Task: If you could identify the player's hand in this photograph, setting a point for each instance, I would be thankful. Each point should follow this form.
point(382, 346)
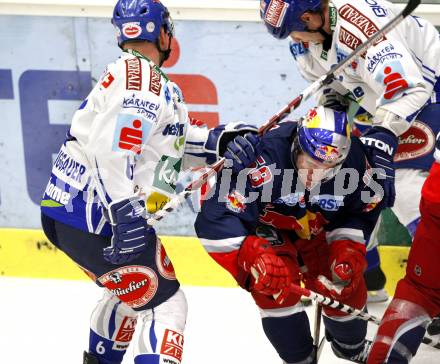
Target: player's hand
point(130, 230)
point(381, 145)
point(224, 138)
point(333, 100)
point(242, 151)
point(270, 273)
point(347, 265)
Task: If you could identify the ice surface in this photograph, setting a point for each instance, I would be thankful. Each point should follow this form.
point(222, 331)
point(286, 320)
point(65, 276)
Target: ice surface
point(46, 322)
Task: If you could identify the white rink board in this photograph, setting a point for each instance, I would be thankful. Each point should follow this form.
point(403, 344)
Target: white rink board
point(46, 321)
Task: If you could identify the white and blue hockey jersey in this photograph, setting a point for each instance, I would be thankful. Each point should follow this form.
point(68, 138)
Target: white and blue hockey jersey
point(398, 74)
point(128, 137)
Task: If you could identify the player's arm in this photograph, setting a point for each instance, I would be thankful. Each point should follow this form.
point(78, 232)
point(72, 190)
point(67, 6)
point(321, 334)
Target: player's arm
point(347, 236)
point(399, 81)
point(237, 142)
point(118, 137)
point(225, 227)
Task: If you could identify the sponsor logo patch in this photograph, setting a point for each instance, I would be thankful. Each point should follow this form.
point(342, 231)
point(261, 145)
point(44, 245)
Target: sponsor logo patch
point(56, 194)
point(143, 107)
point(276, 10)
point(349, 39)
point(360, 21)
point(236, 202)
point(327, 153)
point(385, 54)
point(176, 129)
point(379, 11)
point(416, 142)
point(131, 30)
point(167, 173)
point(172, 344)
point(68, 166)
point(107, 80)
point(126, 331)
point(136, 285)
point(163, 262)
point(292, 199)
point(155, 77)
point(133, 70)
point(131, 133)
point(328, 202)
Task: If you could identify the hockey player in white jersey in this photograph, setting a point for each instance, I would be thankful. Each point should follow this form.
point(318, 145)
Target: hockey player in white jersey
point(126, 146)
point(395, 82)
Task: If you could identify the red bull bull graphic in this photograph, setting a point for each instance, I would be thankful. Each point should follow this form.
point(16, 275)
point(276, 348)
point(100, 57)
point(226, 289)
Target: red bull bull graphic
point(307, 226)
point(327, 153)
point(236, 202)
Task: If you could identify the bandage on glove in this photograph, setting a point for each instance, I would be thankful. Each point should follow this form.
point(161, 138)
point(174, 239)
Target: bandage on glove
point(130, 230)
point(347, 265)
point(270, 273)
point(380, 147)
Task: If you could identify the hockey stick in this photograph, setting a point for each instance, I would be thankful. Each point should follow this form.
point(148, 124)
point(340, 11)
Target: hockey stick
point(286, 110)
point(317, 332)
point(330, 302)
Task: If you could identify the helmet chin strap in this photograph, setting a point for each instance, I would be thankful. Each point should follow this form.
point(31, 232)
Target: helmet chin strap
point(164, 54)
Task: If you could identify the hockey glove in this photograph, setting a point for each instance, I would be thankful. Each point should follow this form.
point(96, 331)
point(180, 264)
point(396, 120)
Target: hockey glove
point(242, 151)
point(333, 100)
point(271, 275)
point(380, 146)
point(237, 142)
point(130, 230)
point(347, 265)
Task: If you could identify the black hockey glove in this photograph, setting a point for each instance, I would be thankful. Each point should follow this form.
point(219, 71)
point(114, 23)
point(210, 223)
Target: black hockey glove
point(130, 230)
point(333, 100)
point(237, 142)
point(380, 146)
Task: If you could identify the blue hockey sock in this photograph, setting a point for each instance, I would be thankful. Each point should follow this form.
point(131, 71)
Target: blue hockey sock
point(105, 350)
point(347, 337)
point(290, 336)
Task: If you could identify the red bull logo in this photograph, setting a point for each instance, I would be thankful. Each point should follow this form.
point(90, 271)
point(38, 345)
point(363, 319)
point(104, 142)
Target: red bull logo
point(236, 202)
point(327, 153)
point(280, 221)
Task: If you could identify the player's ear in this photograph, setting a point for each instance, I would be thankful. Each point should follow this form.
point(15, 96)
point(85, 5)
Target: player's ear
point(306, 17)
point(163, 38)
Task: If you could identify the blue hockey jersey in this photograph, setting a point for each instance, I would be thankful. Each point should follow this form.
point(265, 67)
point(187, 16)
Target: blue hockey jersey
point(271, 194)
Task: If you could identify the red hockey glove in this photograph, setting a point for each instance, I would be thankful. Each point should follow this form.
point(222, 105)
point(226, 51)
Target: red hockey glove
point(347, 265)
point(271, 274)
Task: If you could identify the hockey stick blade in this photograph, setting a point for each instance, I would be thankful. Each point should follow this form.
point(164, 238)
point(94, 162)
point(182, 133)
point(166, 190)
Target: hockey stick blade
point(291, 106)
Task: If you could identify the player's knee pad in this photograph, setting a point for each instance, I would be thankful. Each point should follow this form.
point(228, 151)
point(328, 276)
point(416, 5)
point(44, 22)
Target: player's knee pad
point(346, 334)
point(111, 329)
point(400, 333)
point(162, 332)
point(289, 335)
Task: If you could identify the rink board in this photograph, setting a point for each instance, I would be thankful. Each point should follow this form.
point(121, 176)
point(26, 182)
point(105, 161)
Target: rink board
point(27, 253)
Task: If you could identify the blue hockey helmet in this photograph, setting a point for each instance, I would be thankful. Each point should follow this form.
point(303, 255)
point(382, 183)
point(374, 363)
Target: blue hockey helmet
point(321, 145)
point(324, 134)
point(141, 20)
point(282, 17)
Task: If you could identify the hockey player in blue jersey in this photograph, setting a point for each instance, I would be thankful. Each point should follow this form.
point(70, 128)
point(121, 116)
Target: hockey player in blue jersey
point(396, 82)
point(121, 160)
point(302, 213)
